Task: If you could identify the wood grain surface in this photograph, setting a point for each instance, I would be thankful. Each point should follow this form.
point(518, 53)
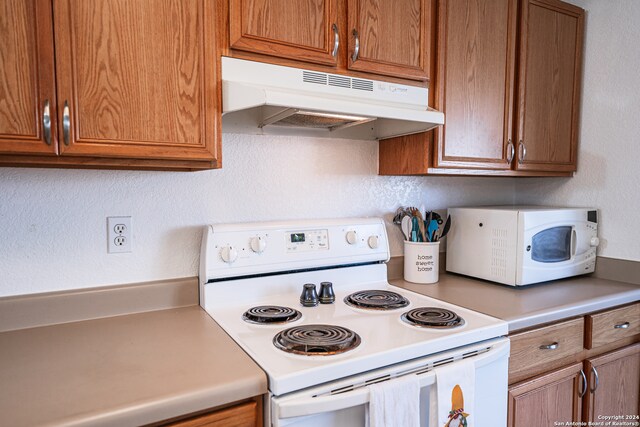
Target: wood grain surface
point(242, 415)
point(549, 84)
point(544, 400)
point(291, 29)
point(405, 155)
point(26, 76)
point(600, 327)
point(475, 83)
point(528, 359)
point(140, 77)
point(618, 389)
point(394, 37)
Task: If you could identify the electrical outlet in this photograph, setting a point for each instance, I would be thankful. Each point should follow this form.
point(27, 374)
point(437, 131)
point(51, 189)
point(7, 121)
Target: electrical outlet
point(119, 237)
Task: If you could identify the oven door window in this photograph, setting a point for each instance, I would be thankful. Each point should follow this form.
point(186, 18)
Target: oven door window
point(552, 245)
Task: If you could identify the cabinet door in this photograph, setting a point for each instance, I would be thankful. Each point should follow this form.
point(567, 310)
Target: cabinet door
point(475, 83)
point(544, 400)
point(137, 79)
point(551, 34)
point(614, 384)
point(27, 81)
point(305, 30)
point(392, 37)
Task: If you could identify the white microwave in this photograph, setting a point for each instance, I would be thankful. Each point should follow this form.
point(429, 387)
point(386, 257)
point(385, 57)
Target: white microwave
point(522, 245)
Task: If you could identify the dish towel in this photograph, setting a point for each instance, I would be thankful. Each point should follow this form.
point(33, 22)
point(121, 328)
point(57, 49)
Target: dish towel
point(395, 403)
point(452, 400)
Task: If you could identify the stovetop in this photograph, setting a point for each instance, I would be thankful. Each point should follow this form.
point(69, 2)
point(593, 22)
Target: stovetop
point(384, 338)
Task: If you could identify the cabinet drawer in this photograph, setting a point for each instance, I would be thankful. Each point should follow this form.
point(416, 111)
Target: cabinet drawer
point(533, 352)
point(612, 325)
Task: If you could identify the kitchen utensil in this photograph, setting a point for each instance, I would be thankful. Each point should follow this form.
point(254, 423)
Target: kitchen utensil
point(400, 212)
point(447, 226)
point(406, 227)
point(421, 227)
point(415, 229)
point(426, 224)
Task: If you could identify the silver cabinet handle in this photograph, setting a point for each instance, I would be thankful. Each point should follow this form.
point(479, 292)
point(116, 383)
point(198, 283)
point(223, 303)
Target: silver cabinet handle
point(595, 374)
point(584, 384)
point(356, 50)
point(46, 122)
point(336, 40)
point(66, 123)
point(522, 152)
point(624, 325)
point(551, 346)
point(511, 151)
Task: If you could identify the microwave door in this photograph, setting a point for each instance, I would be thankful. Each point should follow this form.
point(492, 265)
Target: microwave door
point(555, 250)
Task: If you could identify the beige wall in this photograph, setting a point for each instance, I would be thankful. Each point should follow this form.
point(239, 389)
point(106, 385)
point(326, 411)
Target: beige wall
point(54, 221)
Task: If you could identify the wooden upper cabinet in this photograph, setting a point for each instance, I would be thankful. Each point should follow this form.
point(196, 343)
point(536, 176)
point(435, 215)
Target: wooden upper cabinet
point(137, 79)
point(549, 85)
point(475, 83)
point(27, 79)
point(614, 384)
point(391, 37)
point(304, 30)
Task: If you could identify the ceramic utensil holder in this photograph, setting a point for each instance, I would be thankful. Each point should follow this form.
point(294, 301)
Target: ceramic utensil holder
point(421, 261)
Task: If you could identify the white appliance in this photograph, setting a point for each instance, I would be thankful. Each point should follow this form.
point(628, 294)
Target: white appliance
point(272, 99)
point(261, 268)
point(522, 245)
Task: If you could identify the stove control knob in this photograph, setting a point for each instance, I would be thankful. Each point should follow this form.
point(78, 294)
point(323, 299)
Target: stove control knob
point(594, 241)
point(258, 244)
point(229, 254)
point(373, 242)
point(352, 237)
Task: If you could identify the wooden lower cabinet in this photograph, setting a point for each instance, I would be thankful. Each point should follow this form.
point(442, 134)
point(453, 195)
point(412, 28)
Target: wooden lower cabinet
point(248, 414)
point(556, 374)
point(546, 399)
point(614, 384)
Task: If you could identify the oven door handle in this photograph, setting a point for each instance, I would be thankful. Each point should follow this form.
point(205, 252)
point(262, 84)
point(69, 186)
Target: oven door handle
point(336, 402)
point(303, 406)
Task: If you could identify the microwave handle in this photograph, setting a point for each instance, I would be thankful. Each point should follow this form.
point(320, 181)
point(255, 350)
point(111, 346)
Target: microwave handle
point(574, 242)
point(334, 402)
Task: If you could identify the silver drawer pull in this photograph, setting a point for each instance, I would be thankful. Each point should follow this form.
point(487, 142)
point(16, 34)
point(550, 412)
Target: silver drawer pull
point(624, 325)
point(66, 123)
point(356, 49)
point(551, 346)
point(584, 384)
point(46, 122)
point(597, 382)
point(336, 40)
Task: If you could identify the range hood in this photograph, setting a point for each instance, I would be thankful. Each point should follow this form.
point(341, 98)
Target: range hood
point(260, 98)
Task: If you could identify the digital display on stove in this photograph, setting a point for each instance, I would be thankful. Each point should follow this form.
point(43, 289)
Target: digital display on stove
point(297, 237)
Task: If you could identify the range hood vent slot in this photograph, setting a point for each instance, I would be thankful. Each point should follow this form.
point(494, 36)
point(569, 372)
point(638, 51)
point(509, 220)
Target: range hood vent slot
point(339, 81)
point(311, 77)
point(362, 84)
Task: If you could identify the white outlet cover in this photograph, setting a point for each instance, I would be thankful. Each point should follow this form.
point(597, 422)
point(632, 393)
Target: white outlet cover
point(119, 234)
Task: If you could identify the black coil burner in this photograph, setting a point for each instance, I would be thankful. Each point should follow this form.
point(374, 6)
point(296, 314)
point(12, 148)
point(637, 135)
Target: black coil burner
point(316, 340)
point(271, 314)
point(376, 300)
point(432, 317)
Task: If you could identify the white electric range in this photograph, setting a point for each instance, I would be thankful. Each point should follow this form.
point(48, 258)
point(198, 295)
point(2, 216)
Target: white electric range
point(319, 357)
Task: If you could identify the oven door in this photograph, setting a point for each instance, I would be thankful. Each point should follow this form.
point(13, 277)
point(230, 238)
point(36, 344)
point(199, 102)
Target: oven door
point(343, 402)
